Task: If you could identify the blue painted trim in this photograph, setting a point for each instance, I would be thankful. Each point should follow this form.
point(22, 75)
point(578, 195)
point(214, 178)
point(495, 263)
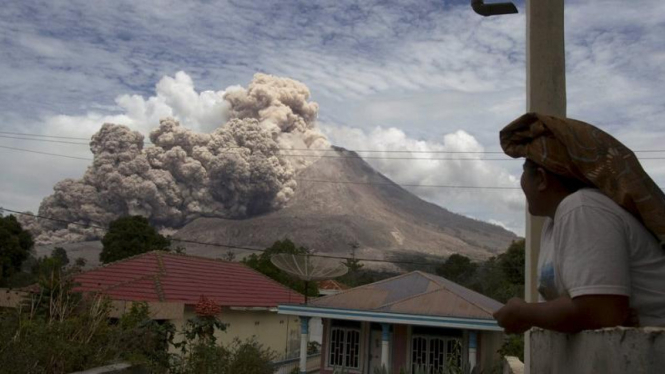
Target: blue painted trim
point(304, 325)
point(359, 315)
point(473, 340)
point(385, 333)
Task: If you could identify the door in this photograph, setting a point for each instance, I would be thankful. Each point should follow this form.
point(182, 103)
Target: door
point(375, 339)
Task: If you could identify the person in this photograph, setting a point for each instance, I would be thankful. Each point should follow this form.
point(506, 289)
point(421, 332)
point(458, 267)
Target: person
point(601, 260)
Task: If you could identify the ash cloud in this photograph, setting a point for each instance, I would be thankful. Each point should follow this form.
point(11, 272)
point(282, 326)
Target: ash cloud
point(236, 171)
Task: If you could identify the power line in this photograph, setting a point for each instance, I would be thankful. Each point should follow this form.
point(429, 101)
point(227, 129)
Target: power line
point(45, 153)
point(226, 245)
point(43, 136)
point(409, 185)
point(306, 180)
point(305, 156)
point(310, 180)
point(309, 155)
point(305, 149)
point(42, 140)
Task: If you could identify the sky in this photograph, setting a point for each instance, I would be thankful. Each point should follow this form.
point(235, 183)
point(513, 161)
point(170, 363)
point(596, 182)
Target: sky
point(409, 75)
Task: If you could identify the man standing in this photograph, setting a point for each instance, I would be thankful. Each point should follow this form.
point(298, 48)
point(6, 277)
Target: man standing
point(602, 261)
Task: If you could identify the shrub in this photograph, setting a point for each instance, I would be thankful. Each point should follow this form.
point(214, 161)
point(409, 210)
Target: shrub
point(59, 331)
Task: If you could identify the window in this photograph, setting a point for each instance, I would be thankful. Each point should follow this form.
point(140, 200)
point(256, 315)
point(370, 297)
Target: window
point(434, 353)
point(344, 347)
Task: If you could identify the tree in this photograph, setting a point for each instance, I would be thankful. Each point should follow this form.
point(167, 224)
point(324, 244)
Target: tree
point(80, 262)
point(15, 247)
point(131, 236)
point(262, 264)
point(229, 256)
point(60, 255)
point(512, 262)
point(353, 277)
point(457, 268)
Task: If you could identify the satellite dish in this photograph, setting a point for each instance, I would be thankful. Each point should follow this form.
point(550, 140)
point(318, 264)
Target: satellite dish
point(309, 268)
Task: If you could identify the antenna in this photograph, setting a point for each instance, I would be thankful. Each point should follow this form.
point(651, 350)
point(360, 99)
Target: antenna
point(308, 268)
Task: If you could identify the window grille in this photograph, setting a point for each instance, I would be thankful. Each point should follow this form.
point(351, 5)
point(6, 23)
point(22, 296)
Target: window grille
point(344, 348)
point(433, 354)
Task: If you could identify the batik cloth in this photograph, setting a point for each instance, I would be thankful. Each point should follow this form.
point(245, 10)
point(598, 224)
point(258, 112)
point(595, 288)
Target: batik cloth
point(576, 149)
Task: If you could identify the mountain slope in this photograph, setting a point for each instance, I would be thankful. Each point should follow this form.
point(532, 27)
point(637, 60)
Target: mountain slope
point(372, 213)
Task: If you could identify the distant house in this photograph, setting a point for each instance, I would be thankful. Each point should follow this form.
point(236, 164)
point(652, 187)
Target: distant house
point(330, 287)
point(416, 320)
point(173, 283)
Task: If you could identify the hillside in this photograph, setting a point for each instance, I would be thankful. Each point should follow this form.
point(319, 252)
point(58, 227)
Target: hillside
point(373, 212)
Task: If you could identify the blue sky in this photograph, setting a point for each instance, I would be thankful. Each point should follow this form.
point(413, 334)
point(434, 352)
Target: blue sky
point(398, 75)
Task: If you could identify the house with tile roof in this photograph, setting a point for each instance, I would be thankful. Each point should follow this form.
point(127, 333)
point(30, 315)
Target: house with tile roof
point(172, 284)
point(330, 287)
point(412, 321)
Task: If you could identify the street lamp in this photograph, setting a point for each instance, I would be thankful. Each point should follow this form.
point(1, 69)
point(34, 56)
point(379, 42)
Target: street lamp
point(495, 9)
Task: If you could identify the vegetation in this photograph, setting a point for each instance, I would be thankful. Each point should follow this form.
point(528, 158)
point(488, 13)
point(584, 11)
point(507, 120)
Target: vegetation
point(201, 354)
point(60, 254)
point(131, 236)
point(501, 277)
point(15, 247)
point(59, 331)
point(356, 275)
point(457, 268)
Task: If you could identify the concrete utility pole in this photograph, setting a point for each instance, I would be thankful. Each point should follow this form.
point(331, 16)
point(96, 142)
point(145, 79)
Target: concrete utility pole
point(545, 93)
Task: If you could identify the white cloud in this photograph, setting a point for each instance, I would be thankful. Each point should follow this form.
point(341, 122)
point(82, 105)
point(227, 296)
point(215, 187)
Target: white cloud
point(174, 97)
point(505, 206)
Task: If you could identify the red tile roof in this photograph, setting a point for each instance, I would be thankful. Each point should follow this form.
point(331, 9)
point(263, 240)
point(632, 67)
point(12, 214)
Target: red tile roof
point(169, 277)
point(332, 285)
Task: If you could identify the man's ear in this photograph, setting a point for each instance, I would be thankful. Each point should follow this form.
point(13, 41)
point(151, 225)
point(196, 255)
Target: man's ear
point(542, 179)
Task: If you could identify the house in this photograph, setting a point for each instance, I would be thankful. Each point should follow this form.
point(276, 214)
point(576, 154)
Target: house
point(172, 284)
point(415, 320)
point(330, 287)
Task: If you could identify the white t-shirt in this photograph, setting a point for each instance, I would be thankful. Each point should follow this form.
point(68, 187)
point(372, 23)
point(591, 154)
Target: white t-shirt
point(595, 247)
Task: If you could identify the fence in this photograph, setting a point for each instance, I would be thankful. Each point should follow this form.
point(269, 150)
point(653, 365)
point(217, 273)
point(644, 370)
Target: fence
point(609, 351)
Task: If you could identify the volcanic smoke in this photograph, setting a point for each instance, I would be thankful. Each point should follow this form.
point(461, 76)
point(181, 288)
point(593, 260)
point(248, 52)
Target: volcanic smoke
point(236, 171)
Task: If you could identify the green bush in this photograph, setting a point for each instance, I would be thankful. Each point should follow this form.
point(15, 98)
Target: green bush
point(60, 331)
point(201, 354)
point(73, 338)
point(15, 247)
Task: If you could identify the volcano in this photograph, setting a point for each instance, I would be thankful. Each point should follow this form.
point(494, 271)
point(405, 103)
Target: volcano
point(342, 204)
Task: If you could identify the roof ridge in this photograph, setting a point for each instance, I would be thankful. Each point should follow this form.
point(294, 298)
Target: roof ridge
point(126, 259)
point(160, 264)
point(158, 288)
point(431, 292)
point(410, 297)
point(364, 286)
point(429, 276)
point(158, 253)
point(184, 254)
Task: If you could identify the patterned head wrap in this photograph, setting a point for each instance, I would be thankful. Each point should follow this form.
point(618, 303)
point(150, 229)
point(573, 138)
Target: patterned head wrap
point(575, 149)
